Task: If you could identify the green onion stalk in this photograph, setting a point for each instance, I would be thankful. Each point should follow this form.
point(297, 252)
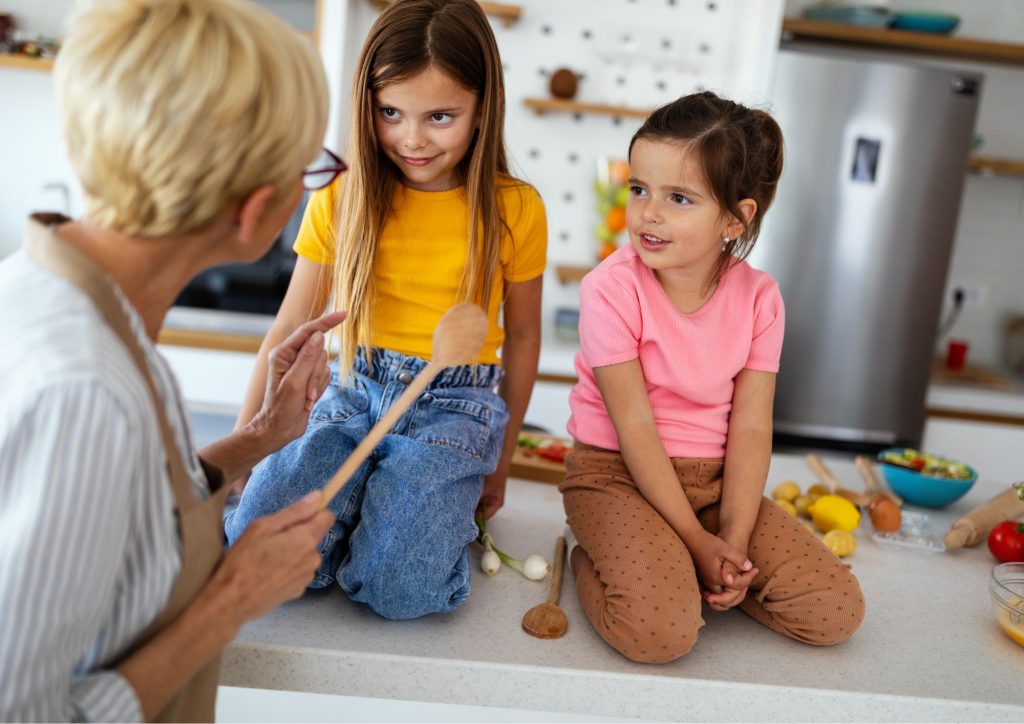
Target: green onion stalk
point(534, 567)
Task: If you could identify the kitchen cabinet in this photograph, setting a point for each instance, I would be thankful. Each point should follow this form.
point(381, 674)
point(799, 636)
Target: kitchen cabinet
point(992, 448)
point(982, 426)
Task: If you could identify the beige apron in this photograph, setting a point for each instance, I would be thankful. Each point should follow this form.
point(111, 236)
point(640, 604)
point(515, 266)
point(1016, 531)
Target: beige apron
point(199, 521)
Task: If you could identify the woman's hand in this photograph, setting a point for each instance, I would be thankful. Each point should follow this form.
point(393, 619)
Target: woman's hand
point(297, 374)
point(272, 562)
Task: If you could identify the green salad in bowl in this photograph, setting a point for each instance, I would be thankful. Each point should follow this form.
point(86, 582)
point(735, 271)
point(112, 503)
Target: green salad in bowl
point(923, 479)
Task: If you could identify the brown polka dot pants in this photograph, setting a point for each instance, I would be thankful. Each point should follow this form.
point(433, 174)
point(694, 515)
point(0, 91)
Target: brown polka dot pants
point(637, 582)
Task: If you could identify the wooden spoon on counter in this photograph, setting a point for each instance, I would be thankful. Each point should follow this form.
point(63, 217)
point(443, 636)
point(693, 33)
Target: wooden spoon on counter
point(547, 620)
point(458, 337)
point(872, 484)
point(817, 466)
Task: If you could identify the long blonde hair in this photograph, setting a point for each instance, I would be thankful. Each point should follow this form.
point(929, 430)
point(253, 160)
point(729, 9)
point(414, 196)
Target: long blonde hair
point(455, 36)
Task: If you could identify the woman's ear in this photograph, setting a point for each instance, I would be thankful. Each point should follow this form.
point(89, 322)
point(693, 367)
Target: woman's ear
point(252, 211)
point(748, 207)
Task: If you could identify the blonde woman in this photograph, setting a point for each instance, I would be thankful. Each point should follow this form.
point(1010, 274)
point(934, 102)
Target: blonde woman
point(180, 120)
point(428, 217)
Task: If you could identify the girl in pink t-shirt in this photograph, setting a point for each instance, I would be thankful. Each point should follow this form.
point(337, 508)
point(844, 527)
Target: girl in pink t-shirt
point(672, 415)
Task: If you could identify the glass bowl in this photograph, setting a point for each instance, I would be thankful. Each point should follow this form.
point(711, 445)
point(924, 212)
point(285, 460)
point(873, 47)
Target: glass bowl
point(1006, 588)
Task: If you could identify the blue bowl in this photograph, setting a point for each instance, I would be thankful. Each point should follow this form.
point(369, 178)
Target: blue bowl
point(926, 490)
point(925, 22)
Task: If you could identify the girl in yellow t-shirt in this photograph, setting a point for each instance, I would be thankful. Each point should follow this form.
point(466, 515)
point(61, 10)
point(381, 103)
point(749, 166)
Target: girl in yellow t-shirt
point(428, 216)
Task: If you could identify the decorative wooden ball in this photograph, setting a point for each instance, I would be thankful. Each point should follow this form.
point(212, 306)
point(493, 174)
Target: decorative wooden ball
point(563, 83)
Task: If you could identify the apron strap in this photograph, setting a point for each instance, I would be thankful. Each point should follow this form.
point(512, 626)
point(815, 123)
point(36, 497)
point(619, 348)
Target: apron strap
point(68, 262)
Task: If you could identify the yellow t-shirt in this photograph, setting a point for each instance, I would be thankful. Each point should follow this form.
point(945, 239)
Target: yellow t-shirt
point(422, 255)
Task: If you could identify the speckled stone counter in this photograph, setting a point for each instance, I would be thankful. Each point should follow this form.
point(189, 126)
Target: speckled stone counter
point(929, 648)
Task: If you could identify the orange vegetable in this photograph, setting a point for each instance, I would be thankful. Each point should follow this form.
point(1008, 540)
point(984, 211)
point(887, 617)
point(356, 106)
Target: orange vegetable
point(618, 173)
point(616, 219)
point(607, 249)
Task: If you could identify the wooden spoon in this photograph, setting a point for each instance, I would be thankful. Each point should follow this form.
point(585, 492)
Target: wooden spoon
point(458, 337)
point(872, 484)
point(817, 465)
point(546, 620)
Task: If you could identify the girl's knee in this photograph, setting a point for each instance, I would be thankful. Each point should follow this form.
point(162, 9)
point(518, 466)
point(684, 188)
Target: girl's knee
point(402, 590)
point(844, 613)
point(650, 639)
point(827, 617)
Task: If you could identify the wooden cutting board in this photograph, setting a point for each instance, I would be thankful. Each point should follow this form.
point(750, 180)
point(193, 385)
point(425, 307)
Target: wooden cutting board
point(970, 374)
point(531, 467)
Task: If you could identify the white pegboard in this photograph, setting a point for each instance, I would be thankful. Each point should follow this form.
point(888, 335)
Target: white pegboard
point(636, 53)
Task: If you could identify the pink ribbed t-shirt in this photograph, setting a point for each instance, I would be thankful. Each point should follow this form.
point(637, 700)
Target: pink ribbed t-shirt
point(689, 361)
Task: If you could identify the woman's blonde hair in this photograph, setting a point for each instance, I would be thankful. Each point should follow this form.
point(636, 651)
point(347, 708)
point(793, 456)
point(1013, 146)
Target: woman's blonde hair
point(175, 109)
point(408, 37)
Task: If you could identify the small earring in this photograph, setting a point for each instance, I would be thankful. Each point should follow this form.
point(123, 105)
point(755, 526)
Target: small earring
point(725, 242)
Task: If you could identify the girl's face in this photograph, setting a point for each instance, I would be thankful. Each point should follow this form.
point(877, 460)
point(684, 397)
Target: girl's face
point(674, 222)
point(425, 125)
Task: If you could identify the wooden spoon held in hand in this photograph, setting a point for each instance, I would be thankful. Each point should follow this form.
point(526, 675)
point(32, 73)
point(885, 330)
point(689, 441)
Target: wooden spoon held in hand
point(547, 620)
point(458, 337)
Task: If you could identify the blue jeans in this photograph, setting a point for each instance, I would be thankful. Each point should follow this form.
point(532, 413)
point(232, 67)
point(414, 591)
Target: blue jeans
point(405, 518)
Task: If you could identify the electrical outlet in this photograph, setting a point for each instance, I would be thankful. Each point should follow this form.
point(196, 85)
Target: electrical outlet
point(973, 295)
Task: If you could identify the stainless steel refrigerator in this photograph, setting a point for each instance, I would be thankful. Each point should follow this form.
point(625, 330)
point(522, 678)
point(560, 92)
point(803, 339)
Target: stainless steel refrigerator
point(859, 237)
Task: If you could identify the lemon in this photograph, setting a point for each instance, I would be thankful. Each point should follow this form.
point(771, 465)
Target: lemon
point(840, 542)
point(786, 506)
point(786, 490)
point(830, 512)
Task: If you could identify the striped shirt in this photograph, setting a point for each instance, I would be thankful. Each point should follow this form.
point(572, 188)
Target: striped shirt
point(89, 546)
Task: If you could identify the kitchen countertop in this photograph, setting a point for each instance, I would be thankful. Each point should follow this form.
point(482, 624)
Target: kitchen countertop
point(929, 648)
point(1007, 402)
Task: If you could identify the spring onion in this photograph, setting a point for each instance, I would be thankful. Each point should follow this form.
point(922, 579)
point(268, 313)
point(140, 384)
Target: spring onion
point(534, 567)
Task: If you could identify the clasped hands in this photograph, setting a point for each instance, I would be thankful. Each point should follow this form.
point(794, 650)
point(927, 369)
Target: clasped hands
point(723, 569)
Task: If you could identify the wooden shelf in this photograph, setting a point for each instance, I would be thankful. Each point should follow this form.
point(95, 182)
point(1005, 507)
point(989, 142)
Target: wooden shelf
point(998, 166)
point(203, 339)
point(928, 43)
point(540, 106)
point(506, 13)
point(571, 273)
point(25, 62)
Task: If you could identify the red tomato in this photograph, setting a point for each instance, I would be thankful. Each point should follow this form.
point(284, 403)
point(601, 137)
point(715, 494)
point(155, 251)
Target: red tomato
point(1006, 541)
point(554, 452)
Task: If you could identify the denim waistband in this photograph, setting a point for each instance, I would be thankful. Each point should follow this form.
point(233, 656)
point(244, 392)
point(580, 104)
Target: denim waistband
point(389, 365)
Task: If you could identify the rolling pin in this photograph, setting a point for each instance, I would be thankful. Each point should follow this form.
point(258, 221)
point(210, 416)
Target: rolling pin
point(972, 528)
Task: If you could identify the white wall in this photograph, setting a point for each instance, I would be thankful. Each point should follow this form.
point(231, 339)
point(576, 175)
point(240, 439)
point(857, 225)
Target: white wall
point(36, 171)
point(988, 251)
point(30, 139)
